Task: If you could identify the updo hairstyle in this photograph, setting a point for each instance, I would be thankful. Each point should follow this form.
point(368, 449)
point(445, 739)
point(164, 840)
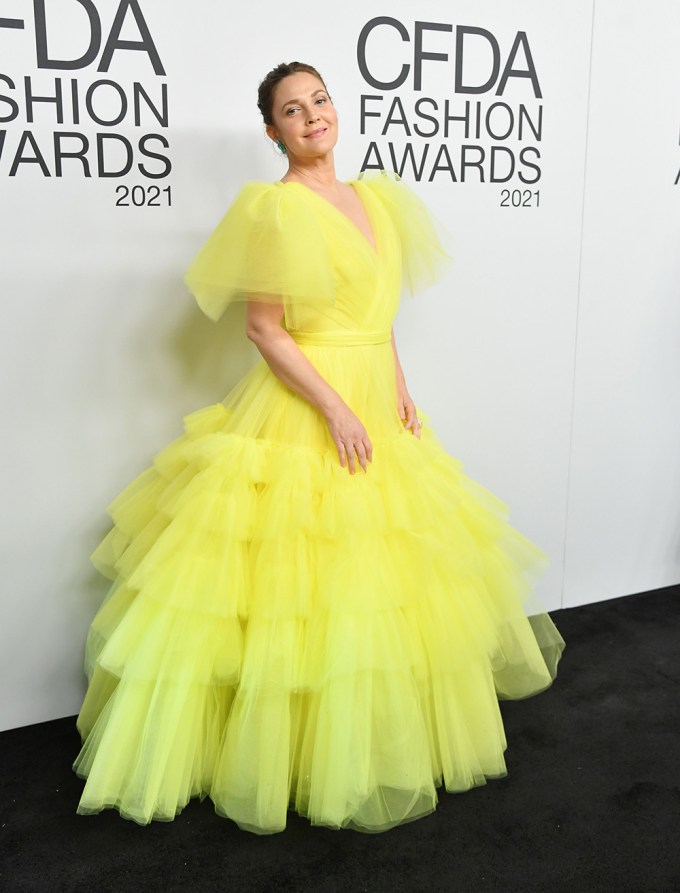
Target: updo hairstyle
point(265, 92)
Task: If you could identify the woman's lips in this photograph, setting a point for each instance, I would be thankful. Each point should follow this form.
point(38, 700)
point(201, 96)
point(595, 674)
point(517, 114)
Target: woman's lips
point(316, 133)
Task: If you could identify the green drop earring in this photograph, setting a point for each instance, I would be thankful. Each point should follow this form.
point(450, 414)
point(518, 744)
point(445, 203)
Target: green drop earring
point(282, 148)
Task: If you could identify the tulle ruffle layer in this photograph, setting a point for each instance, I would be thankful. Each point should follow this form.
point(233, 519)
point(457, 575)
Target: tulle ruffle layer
point(280, 633)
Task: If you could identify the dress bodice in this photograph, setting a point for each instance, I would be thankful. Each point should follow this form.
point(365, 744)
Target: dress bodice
point(367, 279)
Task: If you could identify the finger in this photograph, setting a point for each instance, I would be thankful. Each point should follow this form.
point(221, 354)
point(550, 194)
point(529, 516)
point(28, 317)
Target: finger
point(368, 446)
point(341, 453)
point(350, 459)
point(361, 453)
point(402, 411)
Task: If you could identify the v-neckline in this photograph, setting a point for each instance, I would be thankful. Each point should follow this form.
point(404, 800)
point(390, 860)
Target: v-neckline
point(372, 247)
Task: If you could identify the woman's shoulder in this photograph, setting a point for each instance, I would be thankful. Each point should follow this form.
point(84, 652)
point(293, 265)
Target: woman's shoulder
point(380, 180)
point(272, 204)
point(377, 177)
point(389, 187)
point(257, 194)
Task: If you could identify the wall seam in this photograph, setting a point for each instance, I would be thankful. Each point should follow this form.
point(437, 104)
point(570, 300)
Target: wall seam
point(578, 309)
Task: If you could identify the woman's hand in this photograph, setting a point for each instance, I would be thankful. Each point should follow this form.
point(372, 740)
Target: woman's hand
point(405, 406)
point(407, 410)
point(350, 437)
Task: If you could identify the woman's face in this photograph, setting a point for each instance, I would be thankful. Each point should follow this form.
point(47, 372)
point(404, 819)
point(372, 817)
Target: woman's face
point(304, 117)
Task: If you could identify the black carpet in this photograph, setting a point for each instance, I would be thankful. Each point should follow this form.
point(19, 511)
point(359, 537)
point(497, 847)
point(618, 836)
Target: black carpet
point(591, 802)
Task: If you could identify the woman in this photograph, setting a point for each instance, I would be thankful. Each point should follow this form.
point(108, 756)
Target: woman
point(312, 605)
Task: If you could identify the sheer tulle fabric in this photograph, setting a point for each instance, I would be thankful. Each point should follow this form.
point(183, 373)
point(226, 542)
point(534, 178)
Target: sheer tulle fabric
point(269, 247)
point(280, 634)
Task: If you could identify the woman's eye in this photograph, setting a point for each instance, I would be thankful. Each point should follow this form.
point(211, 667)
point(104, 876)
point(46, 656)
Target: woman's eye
point(291, 111)
point(321, 99)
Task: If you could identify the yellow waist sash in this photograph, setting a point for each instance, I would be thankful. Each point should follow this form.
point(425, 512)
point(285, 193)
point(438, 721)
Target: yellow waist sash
point(342, 338)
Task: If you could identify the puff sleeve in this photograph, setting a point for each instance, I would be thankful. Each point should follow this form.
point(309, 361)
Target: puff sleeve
point(266, 247)
point(424, 240)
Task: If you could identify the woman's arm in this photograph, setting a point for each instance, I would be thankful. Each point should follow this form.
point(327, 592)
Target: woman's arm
point(405, 405)
point(291, 366)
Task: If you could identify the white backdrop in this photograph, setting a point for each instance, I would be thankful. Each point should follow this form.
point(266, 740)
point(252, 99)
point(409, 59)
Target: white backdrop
point(547, 360)
point(623, 532)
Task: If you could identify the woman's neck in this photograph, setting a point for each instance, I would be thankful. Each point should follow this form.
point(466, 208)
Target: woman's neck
point(317, 173)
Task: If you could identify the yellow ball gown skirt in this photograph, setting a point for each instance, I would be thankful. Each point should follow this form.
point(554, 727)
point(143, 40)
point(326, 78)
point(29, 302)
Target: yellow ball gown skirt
point(282, 634)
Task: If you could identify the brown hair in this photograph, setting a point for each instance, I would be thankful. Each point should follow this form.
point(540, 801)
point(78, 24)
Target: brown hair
point(265, 92)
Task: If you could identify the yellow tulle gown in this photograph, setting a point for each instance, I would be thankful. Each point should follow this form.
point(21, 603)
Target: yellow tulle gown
point(282, 634)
